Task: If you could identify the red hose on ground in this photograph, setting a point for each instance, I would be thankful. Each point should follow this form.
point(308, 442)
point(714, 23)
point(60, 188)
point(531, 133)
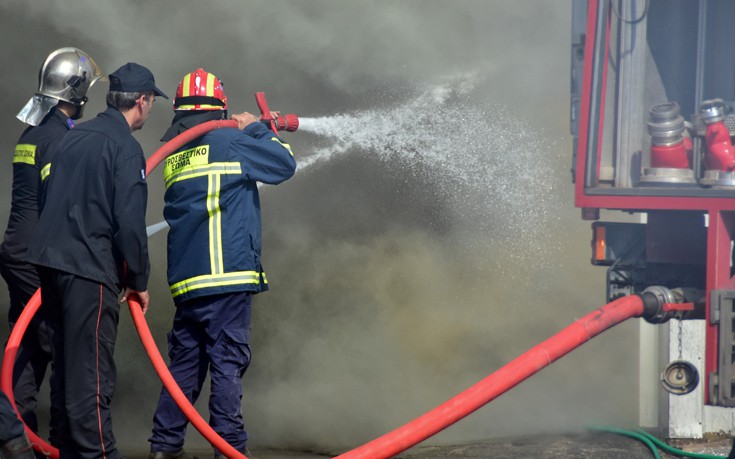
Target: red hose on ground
point(11, 350)
point(6, 373)
point(393, 442)
point(168, 381)
point(499, 382)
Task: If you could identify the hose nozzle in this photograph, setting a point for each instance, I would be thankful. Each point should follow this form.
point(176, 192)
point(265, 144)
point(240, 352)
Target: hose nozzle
point(288, 122)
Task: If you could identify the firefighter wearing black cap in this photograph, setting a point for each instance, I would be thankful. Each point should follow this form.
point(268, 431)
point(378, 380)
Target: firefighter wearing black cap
point(214, 251)
point(64, 79)
point(90, 244)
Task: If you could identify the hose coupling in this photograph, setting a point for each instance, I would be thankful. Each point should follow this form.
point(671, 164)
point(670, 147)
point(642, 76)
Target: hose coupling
point(660, 304)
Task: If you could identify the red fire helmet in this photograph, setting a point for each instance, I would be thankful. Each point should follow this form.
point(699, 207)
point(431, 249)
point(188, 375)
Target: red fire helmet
point(200, 90)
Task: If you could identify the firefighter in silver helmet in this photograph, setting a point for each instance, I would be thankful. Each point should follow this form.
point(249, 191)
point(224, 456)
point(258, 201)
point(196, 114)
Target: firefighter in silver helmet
point(63, 81)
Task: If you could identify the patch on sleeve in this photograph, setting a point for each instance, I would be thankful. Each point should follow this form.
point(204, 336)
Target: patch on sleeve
point(142, 174)
point(25, 153)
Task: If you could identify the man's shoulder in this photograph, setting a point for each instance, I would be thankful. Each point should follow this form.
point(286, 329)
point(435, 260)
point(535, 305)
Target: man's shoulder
point(45, 132)
point(105, 126)
point(101, 136)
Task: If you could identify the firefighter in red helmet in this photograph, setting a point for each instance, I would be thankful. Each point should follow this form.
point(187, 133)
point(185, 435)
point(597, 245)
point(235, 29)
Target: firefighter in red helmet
point(214, 250)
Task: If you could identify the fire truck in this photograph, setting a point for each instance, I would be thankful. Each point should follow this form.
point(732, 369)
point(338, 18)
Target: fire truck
point(652, 97)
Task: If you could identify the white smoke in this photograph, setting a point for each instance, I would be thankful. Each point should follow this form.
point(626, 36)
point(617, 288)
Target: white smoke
point(429, 235)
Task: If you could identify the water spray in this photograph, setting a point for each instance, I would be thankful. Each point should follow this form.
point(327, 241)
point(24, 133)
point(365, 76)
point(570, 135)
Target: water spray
point(426, 146)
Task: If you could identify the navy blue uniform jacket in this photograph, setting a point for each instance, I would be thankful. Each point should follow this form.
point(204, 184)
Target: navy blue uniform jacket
point(31, 153)
point(93, 219)
point(213, 209)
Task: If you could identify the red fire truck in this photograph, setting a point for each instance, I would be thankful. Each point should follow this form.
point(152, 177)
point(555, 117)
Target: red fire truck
point(653, 91)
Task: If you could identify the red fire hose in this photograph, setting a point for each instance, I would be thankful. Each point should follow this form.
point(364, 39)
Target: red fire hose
point(139, 319)
point(11, 350)
point(6, 373)
point(393, 442)
point(401, 438)
point(502, 380)
point(289, 123)
point(184, 138)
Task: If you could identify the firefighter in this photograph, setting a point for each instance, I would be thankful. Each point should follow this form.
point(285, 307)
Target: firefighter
point(13, 441)
point(63, 81)
point(214, 257)
point(90, 246)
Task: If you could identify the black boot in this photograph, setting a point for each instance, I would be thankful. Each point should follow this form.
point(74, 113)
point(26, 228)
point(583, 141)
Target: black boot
point(17, 448)
point(245, 452)
point(180, 454)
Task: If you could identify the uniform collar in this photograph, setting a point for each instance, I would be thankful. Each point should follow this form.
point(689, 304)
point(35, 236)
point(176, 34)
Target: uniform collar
point(184, 120)
point(115, 114)
point(61, 116)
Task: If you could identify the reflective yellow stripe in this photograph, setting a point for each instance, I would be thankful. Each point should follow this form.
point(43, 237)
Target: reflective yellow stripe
point(25, 153)
point(216, 280)
point(215, 225)
point(185, 85)
point(284, 145)
point(199, 107)
point(189, 172)
point(210, 85)
point(191, 164)
point(196, 156)
point(45, 171)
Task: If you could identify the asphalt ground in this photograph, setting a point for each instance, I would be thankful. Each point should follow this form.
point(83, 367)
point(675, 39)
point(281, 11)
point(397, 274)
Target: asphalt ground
point(587, 445)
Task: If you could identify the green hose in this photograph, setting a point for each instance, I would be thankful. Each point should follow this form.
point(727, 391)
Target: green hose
point(652, 442)
point(629, 433)
point(677, 452)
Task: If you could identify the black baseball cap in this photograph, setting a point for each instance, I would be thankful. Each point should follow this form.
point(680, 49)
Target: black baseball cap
point(133, 77)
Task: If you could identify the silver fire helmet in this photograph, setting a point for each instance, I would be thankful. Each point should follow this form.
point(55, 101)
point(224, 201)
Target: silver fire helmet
point(67, 74)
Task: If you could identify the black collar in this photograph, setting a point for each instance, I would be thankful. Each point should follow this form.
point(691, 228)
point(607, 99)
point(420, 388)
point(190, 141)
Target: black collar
point(184, 120)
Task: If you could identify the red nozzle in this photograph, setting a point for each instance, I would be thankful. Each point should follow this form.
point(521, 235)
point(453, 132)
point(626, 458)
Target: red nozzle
point(288, 122)
point(265, 113)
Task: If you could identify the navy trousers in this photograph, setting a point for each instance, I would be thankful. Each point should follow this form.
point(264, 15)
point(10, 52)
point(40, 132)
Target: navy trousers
point(209, 334)
point(10, 425)
point(34, 353)
point(83, 316)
